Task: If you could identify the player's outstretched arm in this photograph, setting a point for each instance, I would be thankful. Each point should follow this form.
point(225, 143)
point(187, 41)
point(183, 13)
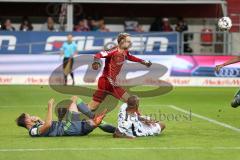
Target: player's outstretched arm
point(231, 61)
point(48, 121)
point(97, 62)
point(136, 59)
point(147, 63)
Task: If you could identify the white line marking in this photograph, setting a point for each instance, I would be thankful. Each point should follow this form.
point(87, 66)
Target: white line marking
point(202, 117)
point(24, 106)
point(116, 149)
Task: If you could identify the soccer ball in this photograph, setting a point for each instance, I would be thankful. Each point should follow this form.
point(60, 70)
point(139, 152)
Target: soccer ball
point(224, 23)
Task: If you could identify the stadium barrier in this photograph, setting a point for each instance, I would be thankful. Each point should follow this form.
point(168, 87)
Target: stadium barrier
point(160, 43)
point(180, 70)
point(207, 42)
point(154, 43)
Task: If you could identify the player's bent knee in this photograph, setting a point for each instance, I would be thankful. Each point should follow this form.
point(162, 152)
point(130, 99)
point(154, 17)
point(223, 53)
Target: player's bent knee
point(73, 107)
point(74, 99)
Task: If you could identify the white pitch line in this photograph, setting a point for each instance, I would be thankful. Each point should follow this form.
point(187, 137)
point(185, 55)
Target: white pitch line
point(24, 106)
point(116, 149)
point(203, 117)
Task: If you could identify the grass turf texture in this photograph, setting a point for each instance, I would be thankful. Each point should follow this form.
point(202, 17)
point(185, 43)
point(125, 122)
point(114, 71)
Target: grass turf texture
point(183, 139)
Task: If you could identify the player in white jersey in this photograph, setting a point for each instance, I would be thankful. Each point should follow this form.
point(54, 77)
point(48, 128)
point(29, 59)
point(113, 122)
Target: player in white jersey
point(131, 124)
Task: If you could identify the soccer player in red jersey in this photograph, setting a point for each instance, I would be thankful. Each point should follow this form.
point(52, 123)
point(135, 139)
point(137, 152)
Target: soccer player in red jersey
point(115, 59)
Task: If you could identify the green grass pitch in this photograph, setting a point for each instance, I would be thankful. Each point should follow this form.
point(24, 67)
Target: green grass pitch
point(184, 138)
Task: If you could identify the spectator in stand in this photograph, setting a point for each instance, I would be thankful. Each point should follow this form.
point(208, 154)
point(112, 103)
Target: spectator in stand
point(82, 26)
point(182, 26)
point(94, 26)
point(26, 25)
point(102, 26)
point(139, 28)
point(130, 24)
point(156, 26)
point(166, 27)
point(49, 25)
point(7, 25)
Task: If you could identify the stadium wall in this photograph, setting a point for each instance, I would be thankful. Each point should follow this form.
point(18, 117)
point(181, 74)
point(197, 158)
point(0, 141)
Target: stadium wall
point(180, 70)
point(165, 43)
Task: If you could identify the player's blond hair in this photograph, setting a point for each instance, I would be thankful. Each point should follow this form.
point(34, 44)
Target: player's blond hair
point(122, 36)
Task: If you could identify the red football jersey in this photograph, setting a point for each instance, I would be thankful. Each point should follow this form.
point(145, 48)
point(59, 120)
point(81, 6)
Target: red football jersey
point(114, 61)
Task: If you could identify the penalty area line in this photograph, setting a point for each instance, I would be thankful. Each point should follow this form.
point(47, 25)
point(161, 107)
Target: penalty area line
point(202, 117)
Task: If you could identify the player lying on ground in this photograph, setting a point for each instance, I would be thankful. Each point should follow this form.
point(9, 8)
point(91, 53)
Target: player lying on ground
point(114, 60)
point(236, 101)
point(73, 126)
point(131, 124)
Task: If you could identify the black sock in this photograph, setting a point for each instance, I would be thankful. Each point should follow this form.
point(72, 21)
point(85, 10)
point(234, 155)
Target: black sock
point(65, 79)
point(107, 127)
point(72, 75)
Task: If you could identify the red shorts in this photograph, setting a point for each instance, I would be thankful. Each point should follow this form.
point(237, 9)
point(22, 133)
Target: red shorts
point(105, 88)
